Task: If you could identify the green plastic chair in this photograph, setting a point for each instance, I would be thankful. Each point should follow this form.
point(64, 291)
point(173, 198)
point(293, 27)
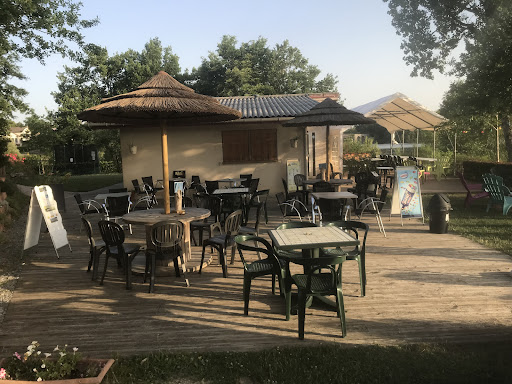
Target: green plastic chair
point(499, 194)
point(270, 265)
point(360, 231)
point(323, 278)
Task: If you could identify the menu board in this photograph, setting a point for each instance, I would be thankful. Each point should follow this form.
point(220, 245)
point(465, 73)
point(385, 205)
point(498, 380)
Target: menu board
point(44, 206)
point(292, 168)
point(407, 193)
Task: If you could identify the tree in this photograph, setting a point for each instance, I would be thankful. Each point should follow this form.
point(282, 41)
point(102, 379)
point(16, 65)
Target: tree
point(435, 31)
point(33, 29)
point(97, 76)
point(254, 68)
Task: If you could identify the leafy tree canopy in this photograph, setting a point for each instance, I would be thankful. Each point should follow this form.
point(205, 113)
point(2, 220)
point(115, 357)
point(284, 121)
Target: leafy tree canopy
point(254, 68)
point(33, 29)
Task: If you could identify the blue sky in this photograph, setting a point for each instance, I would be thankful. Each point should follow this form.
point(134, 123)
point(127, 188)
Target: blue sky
point(353, 40)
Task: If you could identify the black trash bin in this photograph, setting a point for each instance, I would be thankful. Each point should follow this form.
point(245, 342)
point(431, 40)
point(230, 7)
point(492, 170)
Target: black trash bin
point(438, 209)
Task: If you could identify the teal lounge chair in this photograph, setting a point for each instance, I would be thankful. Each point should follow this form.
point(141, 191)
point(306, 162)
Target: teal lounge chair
point(499, 194)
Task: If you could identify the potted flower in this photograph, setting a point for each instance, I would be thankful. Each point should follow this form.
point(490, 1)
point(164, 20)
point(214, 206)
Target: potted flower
point(61, 366)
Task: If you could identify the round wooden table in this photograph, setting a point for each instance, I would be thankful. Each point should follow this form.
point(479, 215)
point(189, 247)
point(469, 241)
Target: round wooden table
point(148, 217)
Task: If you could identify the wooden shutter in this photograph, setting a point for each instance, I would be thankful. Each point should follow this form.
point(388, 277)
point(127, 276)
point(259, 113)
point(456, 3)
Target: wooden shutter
point(263, 145)
point(235, 146)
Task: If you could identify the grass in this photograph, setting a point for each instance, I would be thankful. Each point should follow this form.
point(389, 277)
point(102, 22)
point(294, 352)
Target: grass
point(324, 364)
point(75, 183)
point(491, 229)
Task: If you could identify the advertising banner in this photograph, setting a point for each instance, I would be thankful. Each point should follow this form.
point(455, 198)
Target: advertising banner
point(407, 193)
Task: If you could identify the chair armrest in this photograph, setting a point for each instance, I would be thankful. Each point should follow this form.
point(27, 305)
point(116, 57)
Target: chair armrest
point(90, 203)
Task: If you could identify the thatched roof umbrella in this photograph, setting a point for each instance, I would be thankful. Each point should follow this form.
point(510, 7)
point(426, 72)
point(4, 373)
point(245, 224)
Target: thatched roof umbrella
point(328, 113)
point(160, 101)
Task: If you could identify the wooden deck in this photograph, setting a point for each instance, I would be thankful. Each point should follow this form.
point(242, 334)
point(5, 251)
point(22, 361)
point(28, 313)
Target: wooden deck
point(422, 287)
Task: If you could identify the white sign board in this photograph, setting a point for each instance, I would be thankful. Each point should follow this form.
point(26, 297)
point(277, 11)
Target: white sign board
point(43, 205)
point(292, 168)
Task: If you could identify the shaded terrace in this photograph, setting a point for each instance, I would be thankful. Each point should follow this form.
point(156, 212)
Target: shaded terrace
point(422, 287)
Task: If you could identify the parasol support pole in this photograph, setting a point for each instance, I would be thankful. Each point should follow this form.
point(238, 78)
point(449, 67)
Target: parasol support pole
point(165, 166)
point(328, 154)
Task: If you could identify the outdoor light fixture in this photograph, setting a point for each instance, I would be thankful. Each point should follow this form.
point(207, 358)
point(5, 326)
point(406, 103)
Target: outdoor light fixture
point(294, 141)
point(133, 149)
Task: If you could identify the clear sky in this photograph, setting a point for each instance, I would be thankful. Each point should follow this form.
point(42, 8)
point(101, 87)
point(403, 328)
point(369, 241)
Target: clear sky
point(353, 40)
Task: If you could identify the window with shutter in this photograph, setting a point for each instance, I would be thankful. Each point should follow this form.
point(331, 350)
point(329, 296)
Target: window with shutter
point(244, 146)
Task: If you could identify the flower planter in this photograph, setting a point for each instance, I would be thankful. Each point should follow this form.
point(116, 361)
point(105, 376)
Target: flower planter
point(85, 380)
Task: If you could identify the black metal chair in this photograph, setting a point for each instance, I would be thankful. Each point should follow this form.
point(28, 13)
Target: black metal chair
point(223, 241)
point(96, 248)
point(113, 236)
point(373, 205)
point(291, 208)
point(166, 238)
point(88, 206)
point(299, 180)
point(270, 265)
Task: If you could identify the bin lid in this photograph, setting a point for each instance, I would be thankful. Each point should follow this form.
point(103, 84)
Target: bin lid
point(439, 202)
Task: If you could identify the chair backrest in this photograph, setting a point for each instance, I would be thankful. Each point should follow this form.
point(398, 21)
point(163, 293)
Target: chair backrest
point(148, 180)
point(247, 182)
point(299, 180)
point(111, 233)
point(313, 264)
point(80, 202)
point(118, 206)
point(233, 223)
point(285, 186)
point(259, 207)
point(211, 186)
point(323, 186)
point(187, 201)
point(253, 185)
point(296, 224)
point(354, 228)
point(493, 184)
point(179, 174)
point(383, 195)
point(331, 209)
point(136, 186)
point(290, 207)
point(116, 190)
point(256, 244)
point(88, 230)
point(166, 236)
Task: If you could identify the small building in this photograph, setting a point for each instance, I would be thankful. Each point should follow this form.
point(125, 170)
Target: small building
point(257, 143)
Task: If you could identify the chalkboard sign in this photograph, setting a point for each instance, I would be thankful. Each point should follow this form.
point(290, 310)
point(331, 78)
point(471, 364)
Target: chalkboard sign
point(407, 200)
point(43, 205)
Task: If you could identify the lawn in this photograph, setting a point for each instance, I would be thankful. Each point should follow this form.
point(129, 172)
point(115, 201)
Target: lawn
point(75, 183)
point(491, 229)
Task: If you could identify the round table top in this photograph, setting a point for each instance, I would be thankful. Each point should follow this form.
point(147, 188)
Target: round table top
point(152, 216)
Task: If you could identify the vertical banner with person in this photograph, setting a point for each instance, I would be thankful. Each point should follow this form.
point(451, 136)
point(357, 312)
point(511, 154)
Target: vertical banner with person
point(406, 200)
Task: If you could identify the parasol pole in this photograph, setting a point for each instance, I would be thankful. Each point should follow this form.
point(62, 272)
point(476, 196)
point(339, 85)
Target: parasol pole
point(328, 154)
point(165, 166)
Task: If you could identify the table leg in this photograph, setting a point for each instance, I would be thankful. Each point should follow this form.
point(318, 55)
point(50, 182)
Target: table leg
point(187, 251)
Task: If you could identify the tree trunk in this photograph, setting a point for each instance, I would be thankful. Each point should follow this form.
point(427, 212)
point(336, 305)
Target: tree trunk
point(507, 133)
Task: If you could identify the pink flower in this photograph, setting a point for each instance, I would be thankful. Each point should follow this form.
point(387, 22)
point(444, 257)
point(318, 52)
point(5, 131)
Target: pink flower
point(3, 373)
point(18, 356)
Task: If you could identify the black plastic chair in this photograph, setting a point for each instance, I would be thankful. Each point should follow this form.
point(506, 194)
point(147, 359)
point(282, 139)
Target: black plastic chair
point(248, 177)
point(299, 180)
point(196, 180)
point(270, 265)
point(116, 207)
point(214, 205)
point(166, 238)
point(323, 186)
point(322, 278)
point(96, 248)
point(330, 209)
point(113, 236)
point(211, 186)
point(223, 241)
point(257, 198)
point(360, 231)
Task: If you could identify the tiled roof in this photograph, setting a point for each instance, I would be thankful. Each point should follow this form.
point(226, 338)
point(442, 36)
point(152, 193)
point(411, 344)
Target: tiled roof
point(269, 106)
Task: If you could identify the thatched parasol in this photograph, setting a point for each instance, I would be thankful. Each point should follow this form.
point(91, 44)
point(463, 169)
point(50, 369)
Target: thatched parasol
point(158, 102)
point(328, 113)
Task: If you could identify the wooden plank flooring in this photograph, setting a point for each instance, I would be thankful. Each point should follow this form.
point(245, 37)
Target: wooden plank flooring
point(422, 287)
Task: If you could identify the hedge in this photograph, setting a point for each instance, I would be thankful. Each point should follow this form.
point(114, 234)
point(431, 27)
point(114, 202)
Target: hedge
point(473, 170)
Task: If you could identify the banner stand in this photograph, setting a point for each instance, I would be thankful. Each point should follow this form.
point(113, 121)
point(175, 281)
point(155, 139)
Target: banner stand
point(43, 205)
point(406, 199)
